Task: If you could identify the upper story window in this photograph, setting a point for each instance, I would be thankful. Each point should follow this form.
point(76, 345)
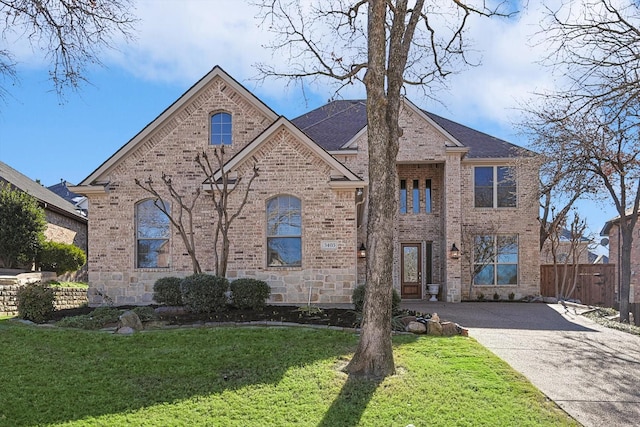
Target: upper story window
point(495, 260)
point(403, 196)
point(221, 129)
point(494, 187)
point(427, 196)
point(152, 235)
point(415, 196)
point(284, 232)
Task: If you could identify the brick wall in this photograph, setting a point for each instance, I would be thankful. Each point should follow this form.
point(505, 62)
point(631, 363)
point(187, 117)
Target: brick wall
point(65, 298)
point(286, 166)
point(615, 248)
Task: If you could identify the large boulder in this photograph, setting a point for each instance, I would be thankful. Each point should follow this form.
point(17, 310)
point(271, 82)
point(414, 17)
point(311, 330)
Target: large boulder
point(416, 328)
point(434, 328)
point(129, 319)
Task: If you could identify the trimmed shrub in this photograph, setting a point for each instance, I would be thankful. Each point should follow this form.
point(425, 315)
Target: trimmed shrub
point(35, 302)
point(358, 299)
point(250, 293)
point(145, 313)
point(204, 293)
point(60, 257)
point(84, 321)
point(166, 290)
point(106, 314)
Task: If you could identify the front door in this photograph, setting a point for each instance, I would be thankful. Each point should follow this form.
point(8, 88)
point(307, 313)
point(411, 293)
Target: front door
point(411, 265)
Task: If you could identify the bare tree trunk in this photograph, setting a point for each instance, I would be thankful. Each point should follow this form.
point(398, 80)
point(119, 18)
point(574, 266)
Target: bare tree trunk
point(374, 355)
point(625, 272)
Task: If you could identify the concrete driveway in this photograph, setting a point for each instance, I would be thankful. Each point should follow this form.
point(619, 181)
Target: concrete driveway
point(590, 371)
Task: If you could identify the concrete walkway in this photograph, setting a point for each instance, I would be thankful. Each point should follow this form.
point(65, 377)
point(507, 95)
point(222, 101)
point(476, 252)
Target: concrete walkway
point(590, 371)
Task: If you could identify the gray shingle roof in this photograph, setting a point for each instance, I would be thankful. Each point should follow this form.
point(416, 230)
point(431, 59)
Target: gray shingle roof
point(43, 194)
point(337, 122)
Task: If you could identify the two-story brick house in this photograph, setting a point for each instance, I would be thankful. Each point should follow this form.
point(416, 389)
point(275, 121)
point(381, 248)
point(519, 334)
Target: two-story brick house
point(306, 214)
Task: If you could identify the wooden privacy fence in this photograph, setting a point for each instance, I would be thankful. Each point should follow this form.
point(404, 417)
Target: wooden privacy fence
point(596, 283)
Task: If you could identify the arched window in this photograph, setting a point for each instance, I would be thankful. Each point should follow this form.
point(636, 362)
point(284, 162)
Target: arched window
point(152, 235)
point(284, 232)
point(221, 129)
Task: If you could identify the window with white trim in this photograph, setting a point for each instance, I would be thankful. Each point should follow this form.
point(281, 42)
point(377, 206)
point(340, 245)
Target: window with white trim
point(221, 129)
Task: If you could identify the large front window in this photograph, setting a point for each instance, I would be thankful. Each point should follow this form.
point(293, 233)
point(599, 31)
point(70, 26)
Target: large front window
point(495, 260)
point(284, 231)
point(494, 187)
point(152, 235)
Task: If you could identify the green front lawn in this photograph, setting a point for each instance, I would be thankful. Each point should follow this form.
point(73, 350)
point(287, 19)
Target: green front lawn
point(253, 377)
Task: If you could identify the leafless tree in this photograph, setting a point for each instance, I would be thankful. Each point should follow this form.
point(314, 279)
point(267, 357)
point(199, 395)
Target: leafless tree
point(176, 216)
point(567, 245)
point(222, 185)
point(478, 249)
point(596, 47)
point(71, 34)
point(386, 45)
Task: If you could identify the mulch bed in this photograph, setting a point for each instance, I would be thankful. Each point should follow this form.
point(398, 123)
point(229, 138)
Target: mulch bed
point(346, 318)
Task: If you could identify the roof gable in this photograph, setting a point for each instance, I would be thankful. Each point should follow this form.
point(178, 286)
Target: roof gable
point(170, 113)
point(334, 125)
point(47, 197)
point(342, 173)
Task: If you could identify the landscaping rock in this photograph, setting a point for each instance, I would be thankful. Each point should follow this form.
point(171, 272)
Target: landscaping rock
point(449, 329)
point(434, 328)
point(126, 330)
point(550, 300)
point(129, 319)
point(416, 328)
point(408, 319)
point(435, 317)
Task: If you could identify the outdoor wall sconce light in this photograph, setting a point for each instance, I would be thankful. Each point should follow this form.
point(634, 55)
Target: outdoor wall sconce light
point(454, 252)
point(362, 251)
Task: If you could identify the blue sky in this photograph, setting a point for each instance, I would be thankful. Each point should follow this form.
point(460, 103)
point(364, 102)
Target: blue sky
point(178, 41)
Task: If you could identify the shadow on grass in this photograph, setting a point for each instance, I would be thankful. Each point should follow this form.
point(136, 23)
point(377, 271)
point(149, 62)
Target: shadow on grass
point(52, 376)
point(349, 405)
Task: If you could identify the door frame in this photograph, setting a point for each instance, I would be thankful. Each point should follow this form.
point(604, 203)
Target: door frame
point(420, 283)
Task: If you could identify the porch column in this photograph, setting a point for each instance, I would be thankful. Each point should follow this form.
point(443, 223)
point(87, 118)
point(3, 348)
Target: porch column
point(452, 291)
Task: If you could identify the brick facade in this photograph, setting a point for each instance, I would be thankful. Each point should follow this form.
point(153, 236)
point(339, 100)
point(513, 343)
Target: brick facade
point(333, 217)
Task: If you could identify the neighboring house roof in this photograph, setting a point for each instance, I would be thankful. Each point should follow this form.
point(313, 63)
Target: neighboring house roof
point(169, 113)
point(47, 198)
point(613, 221)
point(63, 191)
point(78, 201)
point(336, 123)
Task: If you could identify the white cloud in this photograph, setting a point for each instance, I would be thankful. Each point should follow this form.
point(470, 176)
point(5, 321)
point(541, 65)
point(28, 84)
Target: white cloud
point(179, 41)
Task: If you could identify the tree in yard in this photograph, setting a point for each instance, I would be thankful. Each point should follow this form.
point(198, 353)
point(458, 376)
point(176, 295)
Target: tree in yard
point(222, 185)
point(70, 33)
point(567, 245)
point(176, 217)
point(386, 45)
point(596, 47)
point(22, 225)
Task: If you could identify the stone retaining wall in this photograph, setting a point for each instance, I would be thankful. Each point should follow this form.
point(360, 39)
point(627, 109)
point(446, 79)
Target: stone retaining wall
point(65, 297)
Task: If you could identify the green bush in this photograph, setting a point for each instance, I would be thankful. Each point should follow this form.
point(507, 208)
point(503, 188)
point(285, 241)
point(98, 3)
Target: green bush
point(84, 321)
point(166, 290)
point(204, 293)
point(358, 299)
point(35, 302)
point(60, 257)
point(106, 314)
point(250, 293)
point(145, 313)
